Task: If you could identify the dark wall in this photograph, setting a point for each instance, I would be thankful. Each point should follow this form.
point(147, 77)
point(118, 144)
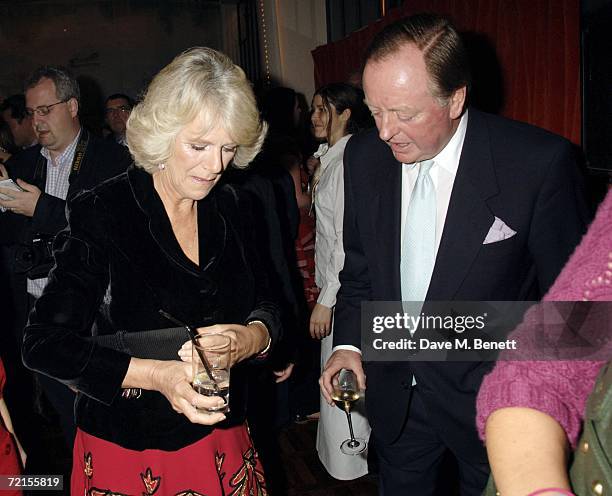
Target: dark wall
point(110, 45)
point(596, 83)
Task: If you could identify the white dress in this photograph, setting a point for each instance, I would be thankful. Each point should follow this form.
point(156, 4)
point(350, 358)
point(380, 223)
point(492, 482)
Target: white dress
point(329, 259)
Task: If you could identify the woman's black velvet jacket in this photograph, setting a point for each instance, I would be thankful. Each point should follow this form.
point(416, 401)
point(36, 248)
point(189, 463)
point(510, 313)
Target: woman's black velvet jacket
point(117, 265)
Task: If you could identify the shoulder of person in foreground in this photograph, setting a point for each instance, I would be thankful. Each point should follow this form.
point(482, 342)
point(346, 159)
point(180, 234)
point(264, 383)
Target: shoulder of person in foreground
point(109, 157)
point(365, 142)
point(558, 388)
point(110, 191)
point(62, 317)
point(518, 138)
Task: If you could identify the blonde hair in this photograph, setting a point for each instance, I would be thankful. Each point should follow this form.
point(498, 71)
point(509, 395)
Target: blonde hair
point(199, 83)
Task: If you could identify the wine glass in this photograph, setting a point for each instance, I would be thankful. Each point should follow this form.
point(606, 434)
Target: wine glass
point(345, 394)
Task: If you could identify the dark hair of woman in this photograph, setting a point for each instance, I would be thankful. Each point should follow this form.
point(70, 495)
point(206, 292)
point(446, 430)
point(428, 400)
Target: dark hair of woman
point(346, 96)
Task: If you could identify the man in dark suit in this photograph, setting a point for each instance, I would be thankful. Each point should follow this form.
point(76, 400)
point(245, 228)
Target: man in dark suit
point(442, 203)
point(67, 160)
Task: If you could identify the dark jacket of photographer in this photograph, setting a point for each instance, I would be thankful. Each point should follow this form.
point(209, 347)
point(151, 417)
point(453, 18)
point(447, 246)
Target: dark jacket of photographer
point(102, 160)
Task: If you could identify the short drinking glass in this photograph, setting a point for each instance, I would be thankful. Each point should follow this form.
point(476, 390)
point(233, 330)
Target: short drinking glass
point(215, 349)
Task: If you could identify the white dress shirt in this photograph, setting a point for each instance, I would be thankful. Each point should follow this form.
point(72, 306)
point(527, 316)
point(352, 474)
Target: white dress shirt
point(443, 174)
point(58, 173)
point(329, 206)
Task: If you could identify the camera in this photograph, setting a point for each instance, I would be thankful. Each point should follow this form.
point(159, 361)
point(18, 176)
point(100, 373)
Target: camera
point(35, 259)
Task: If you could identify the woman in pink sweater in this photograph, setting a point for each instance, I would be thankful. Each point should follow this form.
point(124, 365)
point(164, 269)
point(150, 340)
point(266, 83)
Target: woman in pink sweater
point(531, 412)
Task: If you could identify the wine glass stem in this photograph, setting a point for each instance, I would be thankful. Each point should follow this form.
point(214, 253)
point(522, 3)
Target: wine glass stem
point(350, 423)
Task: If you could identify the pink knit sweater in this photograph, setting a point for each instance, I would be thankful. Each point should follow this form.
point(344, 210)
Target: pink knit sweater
point(557, 388)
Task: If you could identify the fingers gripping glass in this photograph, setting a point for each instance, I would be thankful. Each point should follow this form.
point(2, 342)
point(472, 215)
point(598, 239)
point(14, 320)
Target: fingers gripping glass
point(211, 359)
point(346, 393)
point(42, 109)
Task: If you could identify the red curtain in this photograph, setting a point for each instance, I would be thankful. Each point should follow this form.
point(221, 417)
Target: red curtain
point(536, 44)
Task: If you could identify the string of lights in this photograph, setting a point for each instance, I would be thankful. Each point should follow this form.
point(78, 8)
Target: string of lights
point(264, 35)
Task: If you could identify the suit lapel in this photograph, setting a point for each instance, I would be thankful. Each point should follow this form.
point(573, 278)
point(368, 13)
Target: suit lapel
point(386, 217)
point(468, 218)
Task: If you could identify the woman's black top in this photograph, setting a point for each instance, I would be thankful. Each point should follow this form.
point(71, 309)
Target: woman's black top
point(117, 265)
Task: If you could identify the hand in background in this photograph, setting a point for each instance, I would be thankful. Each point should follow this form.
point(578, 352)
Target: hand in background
point(320, 321)
point(283, 375)
point(312, 164)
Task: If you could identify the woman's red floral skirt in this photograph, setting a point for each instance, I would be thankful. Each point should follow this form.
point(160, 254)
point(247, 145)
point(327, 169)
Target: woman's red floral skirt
point(224, 463)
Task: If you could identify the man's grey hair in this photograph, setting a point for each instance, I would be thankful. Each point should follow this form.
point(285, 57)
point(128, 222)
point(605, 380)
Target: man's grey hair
point(66, 86)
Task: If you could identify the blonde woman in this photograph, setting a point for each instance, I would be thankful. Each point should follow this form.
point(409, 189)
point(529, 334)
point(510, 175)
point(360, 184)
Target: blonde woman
point(162, 236)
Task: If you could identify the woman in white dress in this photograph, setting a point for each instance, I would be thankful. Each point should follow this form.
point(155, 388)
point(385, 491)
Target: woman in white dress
point(337, 112)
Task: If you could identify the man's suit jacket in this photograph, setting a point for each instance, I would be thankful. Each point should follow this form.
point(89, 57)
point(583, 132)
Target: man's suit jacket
point(521, 174)
point(102, 160)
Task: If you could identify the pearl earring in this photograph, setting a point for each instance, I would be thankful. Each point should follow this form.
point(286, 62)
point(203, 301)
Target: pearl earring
point(161, 166)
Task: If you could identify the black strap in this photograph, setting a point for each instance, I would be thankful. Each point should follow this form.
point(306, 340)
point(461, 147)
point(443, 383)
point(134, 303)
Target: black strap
point(40, 172)
point(79, 154)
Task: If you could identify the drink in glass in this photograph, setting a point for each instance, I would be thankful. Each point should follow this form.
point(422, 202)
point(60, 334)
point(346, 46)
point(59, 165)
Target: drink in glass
point(213, 377)
point(345, 394)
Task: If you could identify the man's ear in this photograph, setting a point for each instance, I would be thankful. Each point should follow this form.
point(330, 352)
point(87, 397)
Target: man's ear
point(457, 102)
point(73, 107)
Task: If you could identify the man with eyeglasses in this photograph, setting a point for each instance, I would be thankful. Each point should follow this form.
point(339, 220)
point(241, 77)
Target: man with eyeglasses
point(67, 160)
point(117, 109)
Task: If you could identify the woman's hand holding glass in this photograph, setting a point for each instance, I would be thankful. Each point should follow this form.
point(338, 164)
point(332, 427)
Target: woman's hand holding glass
point(246, 340)
point(173, 380)
point(212, 379)
point(211, 362)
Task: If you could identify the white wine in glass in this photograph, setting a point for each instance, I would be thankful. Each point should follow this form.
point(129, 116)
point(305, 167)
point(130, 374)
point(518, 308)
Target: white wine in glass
point(345, 394)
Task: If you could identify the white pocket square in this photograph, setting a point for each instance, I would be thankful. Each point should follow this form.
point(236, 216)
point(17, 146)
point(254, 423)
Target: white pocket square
point(498, 232)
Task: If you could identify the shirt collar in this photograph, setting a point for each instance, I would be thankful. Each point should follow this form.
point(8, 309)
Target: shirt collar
point(322, 150)
point(66, 156)
point(335, 151)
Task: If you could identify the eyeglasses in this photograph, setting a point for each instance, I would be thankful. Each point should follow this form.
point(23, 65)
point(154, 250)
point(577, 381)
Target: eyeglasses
point(112, 110)
point(42, 109)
